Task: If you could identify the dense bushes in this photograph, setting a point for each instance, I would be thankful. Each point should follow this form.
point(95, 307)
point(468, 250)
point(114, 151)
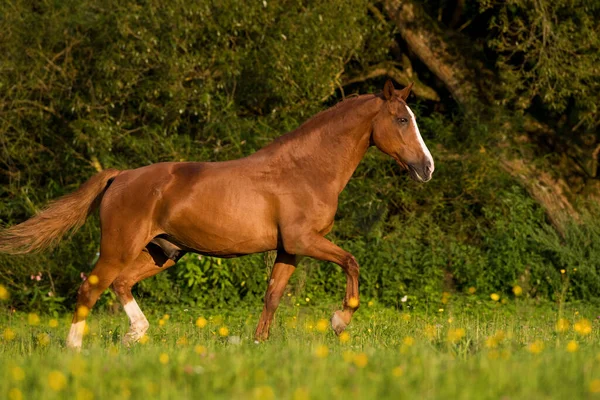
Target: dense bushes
point(95, 84)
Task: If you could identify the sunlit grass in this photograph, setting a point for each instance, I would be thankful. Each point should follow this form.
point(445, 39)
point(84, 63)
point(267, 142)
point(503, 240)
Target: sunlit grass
point(478, 349)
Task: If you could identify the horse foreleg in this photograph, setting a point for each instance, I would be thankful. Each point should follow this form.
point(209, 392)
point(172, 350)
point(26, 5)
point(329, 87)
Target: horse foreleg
point(322, 249)
point(285, 264)
point(144, 267)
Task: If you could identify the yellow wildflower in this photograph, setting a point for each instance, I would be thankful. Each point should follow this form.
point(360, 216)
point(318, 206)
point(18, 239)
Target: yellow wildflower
point(201, 322)
point(344, 337)
point(182, 341)
point(472, 290)
point(223, 331)
point(33, 319)
point(93, 280)
point(322, 351)
point(53, 323)
point(454, 335)
point(536, 347)
point(17, 373)
point(352, 302)
point(301, 394)
point(8, 334)
point(166, 317)
point(491, 342)
point(495, 296)
point(161, 322)
point(263, 393)
point(562, 325)
point(361, 360)
point(144, 339)
point(517, 290)
point(445, 297)
point(322, 325)
point(408, 341)
point(83, 311)
point(398, 372)
point(57, 381)
point(163, 358)
point(562, 271)
point(199, 349)
point(405, 317)
point(572, 346)
point(43, 339)
point(595, 386)
point(15, 394)
point(583, 327)
point(494, 340)
point(430, 331)
point(4, 295)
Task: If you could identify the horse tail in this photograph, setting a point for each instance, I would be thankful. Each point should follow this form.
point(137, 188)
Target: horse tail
point(62, 215)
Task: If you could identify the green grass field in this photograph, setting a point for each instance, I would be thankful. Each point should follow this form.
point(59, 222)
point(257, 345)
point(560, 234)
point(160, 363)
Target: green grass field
point(471, 348)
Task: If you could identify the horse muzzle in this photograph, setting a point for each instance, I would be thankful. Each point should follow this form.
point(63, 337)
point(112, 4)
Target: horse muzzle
point(421, 172)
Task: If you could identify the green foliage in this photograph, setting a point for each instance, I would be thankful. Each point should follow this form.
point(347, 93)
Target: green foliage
point(89, 84)
point(548, 50)
point(468, 351)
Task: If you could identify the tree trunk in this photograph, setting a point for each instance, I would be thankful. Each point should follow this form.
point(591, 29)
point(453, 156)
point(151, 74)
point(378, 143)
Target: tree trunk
point(425, 39)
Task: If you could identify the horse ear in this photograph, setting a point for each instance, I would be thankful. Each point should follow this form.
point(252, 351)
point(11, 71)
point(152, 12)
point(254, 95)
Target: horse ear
point(405, 92)
point(388, 90)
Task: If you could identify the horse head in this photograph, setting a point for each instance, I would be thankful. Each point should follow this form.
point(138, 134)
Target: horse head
point(395, 132)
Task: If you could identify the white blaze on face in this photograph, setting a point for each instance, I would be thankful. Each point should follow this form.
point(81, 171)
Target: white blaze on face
point(75, 338)
point(421, 142)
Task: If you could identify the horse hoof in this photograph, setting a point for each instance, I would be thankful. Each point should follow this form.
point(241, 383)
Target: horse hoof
point(337, 323)
point(131, 338)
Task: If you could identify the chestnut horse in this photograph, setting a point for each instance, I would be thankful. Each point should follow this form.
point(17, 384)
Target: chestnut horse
point(283, 197)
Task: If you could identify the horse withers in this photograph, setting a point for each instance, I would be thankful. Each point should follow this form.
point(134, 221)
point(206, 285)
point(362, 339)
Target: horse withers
point(283, 197)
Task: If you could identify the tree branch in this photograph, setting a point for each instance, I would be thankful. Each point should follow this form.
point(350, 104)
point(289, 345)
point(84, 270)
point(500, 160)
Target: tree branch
point(425, 39)
point(403, 78)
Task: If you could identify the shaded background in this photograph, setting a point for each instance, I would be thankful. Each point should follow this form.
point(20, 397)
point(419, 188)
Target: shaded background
point(506, 96)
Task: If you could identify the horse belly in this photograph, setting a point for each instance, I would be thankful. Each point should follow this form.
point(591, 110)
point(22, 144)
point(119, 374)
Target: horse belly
point(224, 224)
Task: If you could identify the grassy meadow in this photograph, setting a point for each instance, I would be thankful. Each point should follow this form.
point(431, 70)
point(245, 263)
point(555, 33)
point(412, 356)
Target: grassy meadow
point(473, 347)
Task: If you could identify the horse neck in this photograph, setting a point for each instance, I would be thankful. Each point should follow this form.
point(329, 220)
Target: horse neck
point(330, 146)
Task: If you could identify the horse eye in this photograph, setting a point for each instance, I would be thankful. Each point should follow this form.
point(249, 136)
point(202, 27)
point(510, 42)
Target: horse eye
point(402, 120)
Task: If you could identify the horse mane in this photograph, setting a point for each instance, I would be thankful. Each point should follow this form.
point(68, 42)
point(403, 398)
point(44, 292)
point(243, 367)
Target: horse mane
point(327, 116)
point(336, 109)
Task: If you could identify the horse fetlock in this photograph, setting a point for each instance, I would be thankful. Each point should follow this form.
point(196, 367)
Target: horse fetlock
point(75, 337)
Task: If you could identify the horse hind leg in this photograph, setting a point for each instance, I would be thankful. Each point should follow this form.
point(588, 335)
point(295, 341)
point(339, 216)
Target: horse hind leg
point(103, 274)
point(118, 249)
point(150, 262)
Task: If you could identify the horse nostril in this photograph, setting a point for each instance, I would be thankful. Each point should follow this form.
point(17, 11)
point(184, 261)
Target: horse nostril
point(428, 167)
